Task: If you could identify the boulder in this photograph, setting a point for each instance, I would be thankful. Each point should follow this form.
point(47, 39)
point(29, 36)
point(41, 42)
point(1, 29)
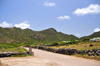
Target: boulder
point(85, 51)
point(91, 53)
point(70, 51)
point(98, 52)
point(91, 45)
point(61, 50)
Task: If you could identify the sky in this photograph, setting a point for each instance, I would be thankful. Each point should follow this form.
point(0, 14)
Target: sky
point(77, 17)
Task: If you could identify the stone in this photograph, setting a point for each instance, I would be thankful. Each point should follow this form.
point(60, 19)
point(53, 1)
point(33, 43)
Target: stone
point(85, 51)
point(91, 53)
point(70, 51)
point(98, 52)
point(30, 51)
point(91, 45)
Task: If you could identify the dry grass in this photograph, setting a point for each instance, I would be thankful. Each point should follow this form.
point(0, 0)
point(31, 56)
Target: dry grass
point(81, 46)
point(88, 57)
point(12, 50)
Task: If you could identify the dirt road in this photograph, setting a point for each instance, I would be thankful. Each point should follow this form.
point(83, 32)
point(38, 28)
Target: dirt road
point(26, 61)
point(44, 58)
point(65, 60)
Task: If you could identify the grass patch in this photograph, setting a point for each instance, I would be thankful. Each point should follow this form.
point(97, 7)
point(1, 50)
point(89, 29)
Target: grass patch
point(88, 57)
point(21, 55)
point(81, 46)
point(13, 50)
point(8, 45)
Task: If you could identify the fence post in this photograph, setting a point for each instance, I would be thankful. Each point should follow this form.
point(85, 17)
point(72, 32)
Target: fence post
point(30, 51)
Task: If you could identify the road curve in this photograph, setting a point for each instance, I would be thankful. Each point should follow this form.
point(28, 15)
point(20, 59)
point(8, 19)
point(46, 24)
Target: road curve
point(65, 60)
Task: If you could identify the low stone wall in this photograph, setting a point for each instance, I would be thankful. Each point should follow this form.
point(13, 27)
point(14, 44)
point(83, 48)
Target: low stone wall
point(7, 54)
point(69, 51)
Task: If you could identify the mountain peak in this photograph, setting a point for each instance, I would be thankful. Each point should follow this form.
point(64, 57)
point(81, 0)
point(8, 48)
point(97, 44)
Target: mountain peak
point(52, 29)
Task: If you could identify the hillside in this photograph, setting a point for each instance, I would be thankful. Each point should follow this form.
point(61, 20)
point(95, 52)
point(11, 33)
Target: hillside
point(17, 35)
point(96, 34)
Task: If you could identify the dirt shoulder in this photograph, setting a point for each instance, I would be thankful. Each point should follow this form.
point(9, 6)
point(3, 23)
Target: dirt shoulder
point(65, 60)
point(27, 61)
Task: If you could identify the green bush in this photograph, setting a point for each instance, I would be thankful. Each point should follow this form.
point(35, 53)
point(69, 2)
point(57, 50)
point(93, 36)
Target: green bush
point(86, 40)
point(73, 42)
point(55, 43)
point(27, 45)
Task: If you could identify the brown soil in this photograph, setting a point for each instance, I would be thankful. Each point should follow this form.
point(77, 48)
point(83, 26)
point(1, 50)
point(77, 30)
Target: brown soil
point(27, 61)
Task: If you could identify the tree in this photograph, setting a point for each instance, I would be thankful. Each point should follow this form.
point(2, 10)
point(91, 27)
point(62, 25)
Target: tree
point(86, 40)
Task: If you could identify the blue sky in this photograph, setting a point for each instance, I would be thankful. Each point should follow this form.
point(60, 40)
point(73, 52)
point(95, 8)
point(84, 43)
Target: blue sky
point(77, 17)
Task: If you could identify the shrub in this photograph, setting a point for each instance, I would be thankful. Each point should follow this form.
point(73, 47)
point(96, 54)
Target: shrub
point(27, 45)
point(55, 44)
point(72, 42)
point(86, 40)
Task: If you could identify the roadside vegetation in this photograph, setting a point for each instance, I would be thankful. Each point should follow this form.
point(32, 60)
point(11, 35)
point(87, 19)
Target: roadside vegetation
point(73, 44)
point(84, 44)
point(80, 46)
point(88, 57)
point(11, 48)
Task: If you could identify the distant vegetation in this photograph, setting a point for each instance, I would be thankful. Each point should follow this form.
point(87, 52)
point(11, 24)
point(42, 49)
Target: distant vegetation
point(9, 45)
point(81, 46)
point(11, 39)
point(11, 48)
point(27, 36)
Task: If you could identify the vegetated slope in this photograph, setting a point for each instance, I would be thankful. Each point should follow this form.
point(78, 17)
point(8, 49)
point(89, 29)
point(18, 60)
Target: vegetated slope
point(17, 35)
point(96, 34)
point(53, 35)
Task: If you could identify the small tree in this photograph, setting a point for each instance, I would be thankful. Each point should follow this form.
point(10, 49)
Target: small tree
point(28, 45)
point(86, 40)
point(55, 43)
point(72, 42)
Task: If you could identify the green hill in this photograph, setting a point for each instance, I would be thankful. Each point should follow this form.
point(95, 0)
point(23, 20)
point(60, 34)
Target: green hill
point(95, 34)
point(17, 35)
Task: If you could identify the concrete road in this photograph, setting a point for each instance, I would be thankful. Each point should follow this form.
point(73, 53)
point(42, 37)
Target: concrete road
point(65, 60)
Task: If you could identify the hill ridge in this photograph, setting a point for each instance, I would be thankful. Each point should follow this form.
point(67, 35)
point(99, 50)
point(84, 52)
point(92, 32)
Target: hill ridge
point(17, 35)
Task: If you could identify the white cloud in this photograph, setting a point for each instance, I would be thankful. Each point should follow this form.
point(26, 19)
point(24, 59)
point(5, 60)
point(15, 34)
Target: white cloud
point(96, 30)
point(49, 4)
point(91, 9)
point(63, 17)
point(23, 25)
point(5, 24)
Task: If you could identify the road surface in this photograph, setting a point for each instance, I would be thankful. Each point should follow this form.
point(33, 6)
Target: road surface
point(65, 60)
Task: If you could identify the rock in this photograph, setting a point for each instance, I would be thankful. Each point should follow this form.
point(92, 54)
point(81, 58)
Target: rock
point(79, 52)
point(30, 51)
point(70, 51)
point(85, 51)
point(61, 50)
point(35, 47)
point(91, 53)
point(7, 54)
point(91, 45)
point(98, 52)
point(50, 49)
